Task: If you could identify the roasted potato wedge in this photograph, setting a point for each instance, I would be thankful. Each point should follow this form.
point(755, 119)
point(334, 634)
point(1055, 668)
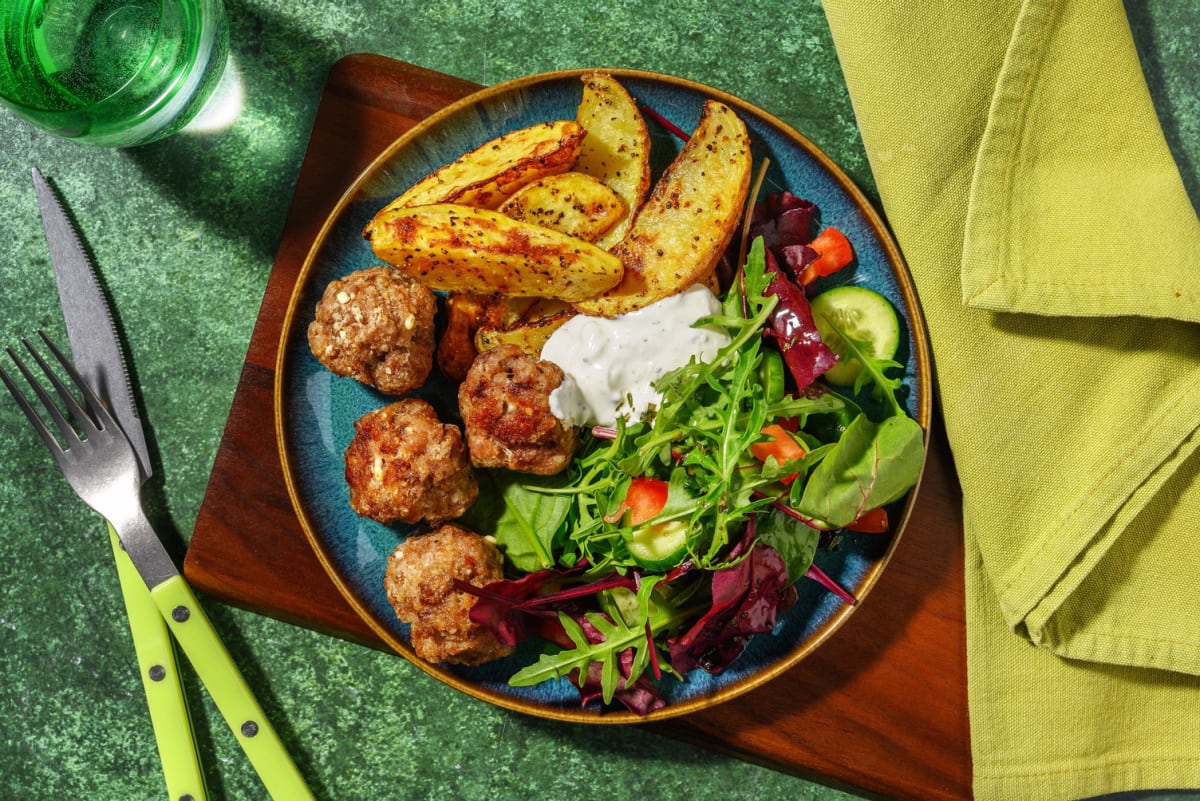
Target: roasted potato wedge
point(617, 147)
point(463, 249)
point(465, 312)
point(714, 283)
point(488, 175)
point(502, 310)
point(467, 315)
point(544, 307)
point(528, 335)
point(685, 225)
point(572, 203)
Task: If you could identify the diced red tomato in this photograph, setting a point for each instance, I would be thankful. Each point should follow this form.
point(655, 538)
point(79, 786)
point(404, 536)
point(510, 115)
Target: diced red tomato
point(873, 521)
point(783, 447)
point(833, 253)
point(645, 498)
point(790, 423)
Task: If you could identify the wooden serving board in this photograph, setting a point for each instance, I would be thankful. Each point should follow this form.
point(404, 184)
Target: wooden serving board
point(879, 709)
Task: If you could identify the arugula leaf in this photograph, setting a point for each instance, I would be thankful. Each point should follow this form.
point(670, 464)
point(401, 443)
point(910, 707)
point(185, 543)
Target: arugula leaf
point(605, 640)
point(756, 279)
point(874, 369)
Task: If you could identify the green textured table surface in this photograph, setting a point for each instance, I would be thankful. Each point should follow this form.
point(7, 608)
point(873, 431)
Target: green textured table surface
point(185, 232)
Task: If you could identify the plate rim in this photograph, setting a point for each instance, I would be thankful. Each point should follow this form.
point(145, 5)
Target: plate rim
point(922, 413)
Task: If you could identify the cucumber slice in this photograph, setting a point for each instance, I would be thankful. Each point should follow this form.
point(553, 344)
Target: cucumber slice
point(619, 604)
point(658, 546)
point(864, 315)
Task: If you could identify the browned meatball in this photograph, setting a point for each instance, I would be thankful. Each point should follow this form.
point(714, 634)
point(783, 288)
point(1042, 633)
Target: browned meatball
point(376, 325)
point(505, 406)
point(419, 583)
point(405, 464)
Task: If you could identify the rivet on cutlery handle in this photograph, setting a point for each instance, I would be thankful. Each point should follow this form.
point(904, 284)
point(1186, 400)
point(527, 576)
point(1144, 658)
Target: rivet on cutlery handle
point(210, 659)
point(160, 678)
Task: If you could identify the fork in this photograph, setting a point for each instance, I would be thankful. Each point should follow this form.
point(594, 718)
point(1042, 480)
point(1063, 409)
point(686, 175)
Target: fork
point(97, 459)
point(101, 466)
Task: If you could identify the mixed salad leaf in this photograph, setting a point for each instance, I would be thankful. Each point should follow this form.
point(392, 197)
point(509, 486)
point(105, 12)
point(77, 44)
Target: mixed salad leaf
point(674, 539)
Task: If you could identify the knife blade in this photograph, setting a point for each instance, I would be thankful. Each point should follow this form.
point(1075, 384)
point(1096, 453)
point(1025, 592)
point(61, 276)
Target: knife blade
point(91, 329)
point(85, 310)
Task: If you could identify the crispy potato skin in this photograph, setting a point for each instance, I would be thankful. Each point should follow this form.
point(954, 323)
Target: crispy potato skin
point(528, 335)
point(683, 228)
point(617, 147)
point(475, 323)
point(486, 176)
point(572, 203)
point(456, 346)
point(463, 249)
point(524, 322)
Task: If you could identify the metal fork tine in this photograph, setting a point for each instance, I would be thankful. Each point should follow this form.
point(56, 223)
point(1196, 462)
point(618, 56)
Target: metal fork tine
point(64, 428)
point(96, 417)
point(99, 465)
point(23, 402)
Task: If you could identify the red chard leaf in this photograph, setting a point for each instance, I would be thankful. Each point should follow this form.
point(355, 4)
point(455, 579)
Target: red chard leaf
point(747, 597)
point(782, 220)
point(805, 355)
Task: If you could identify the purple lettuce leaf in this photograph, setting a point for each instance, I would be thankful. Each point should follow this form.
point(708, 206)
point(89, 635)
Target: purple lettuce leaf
point(787, 225)
point(782, 220)
point(792, 325)
point(499, 606)
point(747, 598)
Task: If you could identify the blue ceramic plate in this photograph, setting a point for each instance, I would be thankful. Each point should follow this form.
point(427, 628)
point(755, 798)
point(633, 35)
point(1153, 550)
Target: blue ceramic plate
point(316, 410)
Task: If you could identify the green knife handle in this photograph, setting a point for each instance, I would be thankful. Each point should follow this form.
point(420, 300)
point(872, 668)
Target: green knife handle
point(204, 649)
point(160, 677)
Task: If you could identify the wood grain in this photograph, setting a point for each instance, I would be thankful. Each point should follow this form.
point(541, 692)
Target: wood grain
point(879, 709)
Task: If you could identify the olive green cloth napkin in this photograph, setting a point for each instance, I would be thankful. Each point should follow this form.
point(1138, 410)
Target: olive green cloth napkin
point(1057, 257)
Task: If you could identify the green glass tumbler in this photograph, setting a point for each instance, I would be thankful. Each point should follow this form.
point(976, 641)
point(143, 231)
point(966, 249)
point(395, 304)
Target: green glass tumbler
point(113, 73)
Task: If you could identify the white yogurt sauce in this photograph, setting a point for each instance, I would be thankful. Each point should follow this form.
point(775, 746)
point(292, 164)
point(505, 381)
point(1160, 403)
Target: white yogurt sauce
point(610, 364)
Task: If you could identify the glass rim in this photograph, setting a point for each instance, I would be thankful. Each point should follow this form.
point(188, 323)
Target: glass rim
point(162, 109)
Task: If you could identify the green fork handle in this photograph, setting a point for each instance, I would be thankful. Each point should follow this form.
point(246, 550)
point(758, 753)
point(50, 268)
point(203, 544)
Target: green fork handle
point(160, 678)
point(199, 640)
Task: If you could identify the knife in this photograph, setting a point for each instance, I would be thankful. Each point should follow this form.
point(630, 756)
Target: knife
point(158, 599)
point(81, 299)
